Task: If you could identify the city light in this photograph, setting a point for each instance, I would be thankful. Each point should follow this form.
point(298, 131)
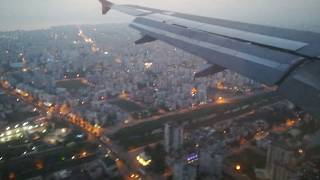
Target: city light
point(83, 154)
point(238, 167)
point(147, 65)
point(192, 158)
point(143, 160)
point(63, 130)
point(290, 122)
point(48, 104)
point(194, 91)
point(38, 165)
point(135, 176)
point(220, 100)
point(300, 151)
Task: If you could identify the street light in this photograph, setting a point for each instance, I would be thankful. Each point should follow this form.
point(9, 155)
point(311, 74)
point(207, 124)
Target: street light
point(300, 151)
point(238, 167)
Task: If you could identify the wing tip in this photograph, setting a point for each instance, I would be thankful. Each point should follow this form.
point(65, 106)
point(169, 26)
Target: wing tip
point(106, 6)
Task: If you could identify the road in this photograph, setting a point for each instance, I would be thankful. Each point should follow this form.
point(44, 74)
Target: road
point(225, 115)
point(127, 163)
point(113, 129)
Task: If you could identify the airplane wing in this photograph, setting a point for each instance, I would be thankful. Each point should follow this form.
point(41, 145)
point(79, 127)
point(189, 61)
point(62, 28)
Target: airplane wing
point(287, 58)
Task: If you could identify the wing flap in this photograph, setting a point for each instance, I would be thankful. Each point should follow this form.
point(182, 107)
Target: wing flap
point(264, 65)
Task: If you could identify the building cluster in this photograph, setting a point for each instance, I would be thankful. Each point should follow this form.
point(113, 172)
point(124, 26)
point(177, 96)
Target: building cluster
point(95, 77)
point(60, 65)
point(284, 150)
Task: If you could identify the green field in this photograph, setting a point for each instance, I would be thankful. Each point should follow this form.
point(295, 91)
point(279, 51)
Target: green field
point(73, 84)
point(127, 105)
point(18, 116)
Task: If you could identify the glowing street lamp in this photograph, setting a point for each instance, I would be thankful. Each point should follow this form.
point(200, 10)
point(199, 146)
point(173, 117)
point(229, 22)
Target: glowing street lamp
point(300, 151)
point(194, 91)
point(143, 160)
point(238, 167)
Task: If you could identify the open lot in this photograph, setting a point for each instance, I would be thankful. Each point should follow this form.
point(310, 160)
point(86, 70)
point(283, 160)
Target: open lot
point(127, 105)
point(18, 116)
point(72, 84)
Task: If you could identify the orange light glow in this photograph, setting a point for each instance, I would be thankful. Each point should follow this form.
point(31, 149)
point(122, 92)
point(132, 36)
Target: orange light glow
point(194, 91)
point(238, 167)
point(290, 122)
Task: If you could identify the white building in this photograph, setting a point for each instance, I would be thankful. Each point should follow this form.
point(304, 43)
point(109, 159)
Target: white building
point(173, 137)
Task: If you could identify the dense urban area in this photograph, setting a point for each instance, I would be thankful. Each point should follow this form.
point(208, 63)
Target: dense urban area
point(85, 102)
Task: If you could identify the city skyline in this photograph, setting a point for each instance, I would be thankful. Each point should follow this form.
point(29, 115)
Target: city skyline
point(37, 14)
point(159, 95)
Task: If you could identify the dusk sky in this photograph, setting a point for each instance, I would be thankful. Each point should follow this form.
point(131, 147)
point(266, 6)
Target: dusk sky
point(35, 14)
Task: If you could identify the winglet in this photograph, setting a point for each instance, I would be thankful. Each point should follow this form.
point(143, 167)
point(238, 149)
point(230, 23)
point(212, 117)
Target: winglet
point(208, 69)
point(106, 6)
point(145, 39)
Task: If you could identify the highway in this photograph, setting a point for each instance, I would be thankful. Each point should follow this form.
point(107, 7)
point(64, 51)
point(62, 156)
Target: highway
point(234, 100)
